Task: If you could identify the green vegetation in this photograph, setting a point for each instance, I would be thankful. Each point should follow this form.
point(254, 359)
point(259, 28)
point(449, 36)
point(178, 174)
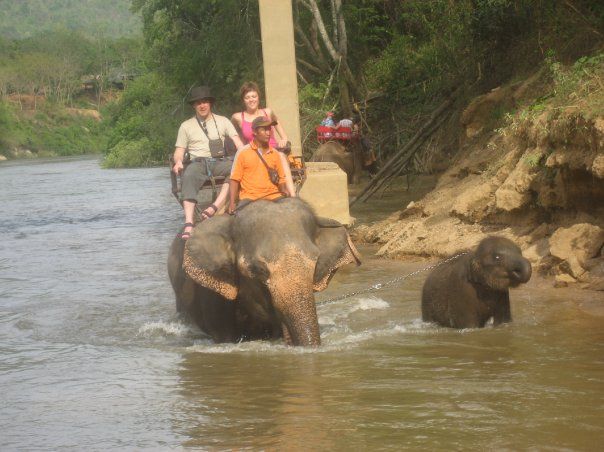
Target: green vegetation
point(26, 18)
point(47, 70)
point(49, 131)
point(573, 88)
point(142, 124)
point(579, 85)
point(390, 61)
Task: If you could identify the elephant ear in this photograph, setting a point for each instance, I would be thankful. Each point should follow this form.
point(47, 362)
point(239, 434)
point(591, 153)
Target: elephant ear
point(209, 258)
point(336, 249)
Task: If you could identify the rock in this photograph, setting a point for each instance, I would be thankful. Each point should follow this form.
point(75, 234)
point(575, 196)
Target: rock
point(553, 193)
point(597, 166)
point(540, 232)
point(563, 280)
point(594, 284)
point(573, 267)
point(515, 193)
point(583, 241)
point(472, 204)
point(2, 158)
point(537, 251)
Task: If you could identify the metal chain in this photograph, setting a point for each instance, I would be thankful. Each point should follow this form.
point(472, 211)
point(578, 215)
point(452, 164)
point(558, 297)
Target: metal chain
point(379, 286)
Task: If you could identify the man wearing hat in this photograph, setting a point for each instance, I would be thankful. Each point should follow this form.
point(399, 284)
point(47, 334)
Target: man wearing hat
point(251, 177)
point(203, 137)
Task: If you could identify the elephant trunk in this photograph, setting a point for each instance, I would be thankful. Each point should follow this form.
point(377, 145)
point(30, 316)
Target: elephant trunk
point(293, 297)
point(299, 315)
point(520, 271)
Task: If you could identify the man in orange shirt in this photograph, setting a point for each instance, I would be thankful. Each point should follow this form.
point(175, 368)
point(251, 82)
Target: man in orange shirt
point(252, 168)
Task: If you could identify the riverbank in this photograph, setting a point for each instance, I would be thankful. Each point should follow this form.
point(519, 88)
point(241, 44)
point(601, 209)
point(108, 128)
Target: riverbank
point(34, 128)
point(535, 176)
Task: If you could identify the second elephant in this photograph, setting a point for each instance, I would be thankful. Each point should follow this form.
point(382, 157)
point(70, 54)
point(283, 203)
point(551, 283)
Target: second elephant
point(349, 161)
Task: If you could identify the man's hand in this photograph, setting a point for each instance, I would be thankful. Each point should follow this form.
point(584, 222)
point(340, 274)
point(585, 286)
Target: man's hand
point(178, 166)
point(231, 209)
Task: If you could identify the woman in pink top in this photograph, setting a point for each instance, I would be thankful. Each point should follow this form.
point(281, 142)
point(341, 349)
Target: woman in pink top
point(250, 96)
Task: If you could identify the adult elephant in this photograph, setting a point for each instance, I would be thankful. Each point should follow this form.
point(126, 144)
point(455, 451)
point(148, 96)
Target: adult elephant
point(253, 275)
point(350, 161)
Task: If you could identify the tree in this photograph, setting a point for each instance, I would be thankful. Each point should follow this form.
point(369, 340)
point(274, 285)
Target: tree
point(330, 58)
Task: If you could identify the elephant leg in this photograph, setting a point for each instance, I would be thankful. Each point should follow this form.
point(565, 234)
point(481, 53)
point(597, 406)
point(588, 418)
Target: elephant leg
point(286, 336)
point(502, 312)
point(217, 315)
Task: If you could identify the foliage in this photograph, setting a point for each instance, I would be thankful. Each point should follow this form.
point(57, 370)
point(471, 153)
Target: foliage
point(51, 131)
point(142, 124)
point(577, 81)
point(25, 18)
point(130, 154)
point(211, 43)
point(572, 88)
point(400, 61)
point(43, 74)
point(54, 63)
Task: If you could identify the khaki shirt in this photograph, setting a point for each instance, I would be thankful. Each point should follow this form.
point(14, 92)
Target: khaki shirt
point(193, 139)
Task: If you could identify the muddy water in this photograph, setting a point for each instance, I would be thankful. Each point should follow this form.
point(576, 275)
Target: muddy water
point(93, 357)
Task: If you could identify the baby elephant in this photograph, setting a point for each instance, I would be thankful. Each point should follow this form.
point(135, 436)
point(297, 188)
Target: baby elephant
point(468, 291)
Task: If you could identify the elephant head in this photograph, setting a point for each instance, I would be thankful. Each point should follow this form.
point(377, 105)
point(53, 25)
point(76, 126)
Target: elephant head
point(498, 263)
point(271, 257)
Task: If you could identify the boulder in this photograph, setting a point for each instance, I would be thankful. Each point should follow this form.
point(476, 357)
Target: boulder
point(515, 193)
point(582, 241)
point(563, 280)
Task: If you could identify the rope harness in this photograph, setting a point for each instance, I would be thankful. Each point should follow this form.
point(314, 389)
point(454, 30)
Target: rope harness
point(379, 286)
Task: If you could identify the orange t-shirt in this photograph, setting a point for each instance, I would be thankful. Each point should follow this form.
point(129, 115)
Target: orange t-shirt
point(252, 175)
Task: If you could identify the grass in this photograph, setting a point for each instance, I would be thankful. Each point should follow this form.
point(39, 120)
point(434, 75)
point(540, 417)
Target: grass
point(49, 131)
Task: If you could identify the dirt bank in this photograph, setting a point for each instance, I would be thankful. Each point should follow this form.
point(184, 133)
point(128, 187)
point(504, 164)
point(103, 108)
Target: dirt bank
point(538, 179)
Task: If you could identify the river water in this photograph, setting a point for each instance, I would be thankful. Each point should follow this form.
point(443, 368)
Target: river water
point(93, 356)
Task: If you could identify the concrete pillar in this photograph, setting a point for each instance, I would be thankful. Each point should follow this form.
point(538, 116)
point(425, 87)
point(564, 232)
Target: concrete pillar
point(326, 187)
point(326, 190)
point(280, 76)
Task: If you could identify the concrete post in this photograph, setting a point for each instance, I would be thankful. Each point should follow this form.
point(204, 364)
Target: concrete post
point(280, 76)
point(326, 188)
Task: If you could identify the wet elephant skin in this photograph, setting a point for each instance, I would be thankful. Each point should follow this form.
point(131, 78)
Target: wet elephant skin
point(469, 291)
point(253, 275)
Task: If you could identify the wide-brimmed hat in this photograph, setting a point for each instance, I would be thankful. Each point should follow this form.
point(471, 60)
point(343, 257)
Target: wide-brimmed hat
point(199, 93)
point(262, 122)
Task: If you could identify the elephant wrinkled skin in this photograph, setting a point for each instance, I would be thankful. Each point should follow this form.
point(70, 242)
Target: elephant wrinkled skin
point(349, 161)
point(253, 275)
point(467, 292)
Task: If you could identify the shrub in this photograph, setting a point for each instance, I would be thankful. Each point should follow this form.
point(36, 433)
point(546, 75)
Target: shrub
point(129, 154)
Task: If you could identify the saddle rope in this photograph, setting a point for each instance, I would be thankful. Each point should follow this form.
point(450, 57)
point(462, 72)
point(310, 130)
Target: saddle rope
point(379, 286)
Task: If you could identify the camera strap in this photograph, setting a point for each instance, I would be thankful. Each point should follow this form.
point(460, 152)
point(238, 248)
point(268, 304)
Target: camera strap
point(269, 169)
point(205, 129)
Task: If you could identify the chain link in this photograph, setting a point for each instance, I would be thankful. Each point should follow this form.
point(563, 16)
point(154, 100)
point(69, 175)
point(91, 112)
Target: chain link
point(379, 286)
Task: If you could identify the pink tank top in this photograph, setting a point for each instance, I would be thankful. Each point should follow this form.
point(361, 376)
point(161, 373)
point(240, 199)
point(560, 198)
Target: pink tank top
point(248, 135)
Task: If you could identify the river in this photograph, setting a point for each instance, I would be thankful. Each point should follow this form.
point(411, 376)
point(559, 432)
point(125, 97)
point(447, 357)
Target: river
point(94, 357)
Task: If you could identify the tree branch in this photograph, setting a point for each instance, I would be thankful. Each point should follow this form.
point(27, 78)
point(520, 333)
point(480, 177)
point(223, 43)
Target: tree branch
point(311, 5)
point(341, 27)
point(315, 52)
point(309, 66)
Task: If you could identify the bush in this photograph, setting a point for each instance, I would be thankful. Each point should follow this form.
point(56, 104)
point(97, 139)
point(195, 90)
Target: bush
point(51, 131)
point(130, 154)
point(145, 119)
